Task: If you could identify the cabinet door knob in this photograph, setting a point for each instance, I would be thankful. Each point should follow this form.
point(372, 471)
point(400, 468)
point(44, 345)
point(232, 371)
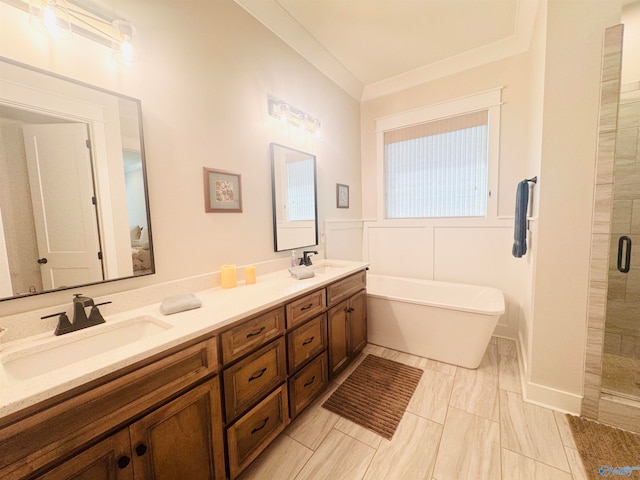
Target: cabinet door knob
point(141, 449)
point(42, 261)
point(123, 461)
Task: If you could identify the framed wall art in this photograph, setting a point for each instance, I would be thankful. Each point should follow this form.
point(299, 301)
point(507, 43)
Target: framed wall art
point(342, 195)
point(222, 191)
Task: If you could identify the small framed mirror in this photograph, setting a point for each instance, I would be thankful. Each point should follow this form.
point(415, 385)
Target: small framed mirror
point(295, 206)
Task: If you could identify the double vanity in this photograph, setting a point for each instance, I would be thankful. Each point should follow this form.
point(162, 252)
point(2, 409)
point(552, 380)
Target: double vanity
point(198, 394)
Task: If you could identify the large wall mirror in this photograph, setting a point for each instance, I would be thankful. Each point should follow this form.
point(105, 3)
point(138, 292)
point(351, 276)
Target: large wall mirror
point(295, 212)
point(74, 206)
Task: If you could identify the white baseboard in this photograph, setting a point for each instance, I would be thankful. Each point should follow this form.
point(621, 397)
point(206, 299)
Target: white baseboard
point(544, 396)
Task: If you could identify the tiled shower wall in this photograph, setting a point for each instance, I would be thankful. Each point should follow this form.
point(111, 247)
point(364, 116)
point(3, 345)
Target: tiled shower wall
point(622, 331)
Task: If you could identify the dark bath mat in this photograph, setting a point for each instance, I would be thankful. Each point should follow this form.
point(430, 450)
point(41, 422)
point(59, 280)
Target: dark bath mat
point(376, 394)
point(606, 451)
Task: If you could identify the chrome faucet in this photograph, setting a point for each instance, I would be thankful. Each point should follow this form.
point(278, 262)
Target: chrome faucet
point(80, 319)
point(306, 257)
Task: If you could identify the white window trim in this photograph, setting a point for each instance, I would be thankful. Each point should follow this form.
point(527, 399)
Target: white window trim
point(490, 100)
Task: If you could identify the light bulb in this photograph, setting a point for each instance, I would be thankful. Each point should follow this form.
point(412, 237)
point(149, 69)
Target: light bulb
point(124, 46)
point(50, 17)
point(50, 20)
point(126, 50)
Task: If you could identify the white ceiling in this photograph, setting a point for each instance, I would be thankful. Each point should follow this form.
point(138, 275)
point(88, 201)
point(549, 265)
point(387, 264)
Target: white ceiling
point(375, 47)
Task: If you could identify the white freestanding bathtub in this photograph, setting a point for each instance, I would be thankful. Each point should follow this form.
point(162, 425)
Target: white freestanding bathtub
point(448, 322)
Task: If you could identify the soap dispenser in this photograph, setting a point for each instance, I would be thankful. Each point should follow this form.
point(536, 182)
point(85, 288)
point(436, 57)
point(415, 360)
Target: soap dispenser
point(293, 258)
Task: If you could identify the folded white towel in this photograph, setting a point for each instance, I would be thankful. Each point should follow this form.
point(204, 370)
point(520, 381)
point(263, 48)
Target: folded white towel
point(301, 272)
point(179, 303)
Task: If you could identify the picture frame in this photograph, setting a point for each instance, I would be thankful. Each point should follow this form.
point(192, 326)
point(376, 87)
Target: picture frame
point(222, 191)
point(342, 195)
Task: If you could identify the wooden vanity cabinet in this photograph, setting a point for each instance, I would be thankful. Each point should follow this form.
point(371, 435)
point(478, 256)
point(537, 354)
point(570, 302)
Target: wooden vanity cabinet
point(178, 440)
point(162, 418)
point(346, 321)
point(66, 433)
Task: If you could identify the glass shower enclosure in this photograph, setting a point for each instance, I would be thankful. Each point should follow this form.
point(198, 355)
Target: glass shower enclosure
point(621, 355)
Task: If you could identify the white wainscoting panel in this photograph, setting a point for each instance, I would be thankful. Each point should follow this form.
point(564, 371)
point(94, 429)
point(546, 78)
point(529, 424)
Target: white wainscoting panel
point(343, 239)
point(401, 251)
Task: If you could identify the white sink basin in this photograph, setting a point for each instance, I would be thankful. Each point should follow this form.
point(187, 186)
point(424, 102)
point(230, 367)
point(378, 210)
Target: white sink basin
point(327, 268)
point(70, 348)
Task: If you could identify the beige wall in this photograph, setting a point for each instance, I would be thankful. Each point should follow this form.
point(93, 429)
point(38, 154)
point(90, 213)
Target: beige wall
point(573, 53)
point(631, 45)
point(203, 77)
point(536, 72)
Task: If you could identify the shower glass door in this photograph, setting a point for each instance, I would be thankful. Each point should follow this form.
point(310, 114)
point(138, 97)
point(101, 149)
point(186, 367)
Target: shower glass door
point(621, 360)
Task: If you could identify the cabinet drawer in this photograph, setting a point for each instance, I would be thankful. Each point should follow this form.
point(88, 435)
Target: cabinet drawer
point(306, 307)
point(253, 432)
point(248, 380)
point(306, 341)
point(338, 291)
point(252, 334)
point(305, 385)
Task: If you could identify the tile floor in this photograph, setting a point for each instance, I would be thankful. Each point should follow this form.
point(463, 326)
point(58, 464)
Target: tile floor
point(460, 424)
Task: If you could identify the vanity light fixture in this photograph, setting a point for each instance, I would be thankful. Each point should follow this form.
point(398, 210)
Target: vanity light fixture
point(61, 18)
point(294, 117)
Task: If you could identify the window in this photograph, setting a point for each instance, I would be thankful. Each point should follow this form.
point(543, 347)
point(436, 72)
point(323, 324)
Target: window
point(439, 161)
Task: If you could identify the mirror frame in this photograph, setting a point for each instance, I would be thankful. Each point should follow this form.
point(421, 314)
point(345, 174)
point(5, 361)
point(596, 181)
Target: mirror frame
point(138, 107)
point(272, 148)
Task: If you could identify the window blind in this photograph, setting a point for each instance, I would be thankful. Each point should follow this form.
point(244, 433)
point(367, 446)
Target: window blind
point(438, 168)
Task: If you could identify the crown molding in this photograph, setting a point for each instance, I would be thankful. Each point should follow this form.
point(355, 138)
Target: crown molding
point(276, 19)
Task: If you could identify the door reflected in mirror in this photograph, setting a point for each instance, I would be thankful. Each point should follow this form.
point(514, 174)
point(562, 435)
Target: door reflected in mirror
point(73, 197)
point(295, 215)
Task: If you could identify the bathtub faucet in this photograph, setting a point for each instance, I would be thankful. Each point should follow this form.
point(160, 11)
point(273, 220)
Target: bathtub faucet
point(306, 257)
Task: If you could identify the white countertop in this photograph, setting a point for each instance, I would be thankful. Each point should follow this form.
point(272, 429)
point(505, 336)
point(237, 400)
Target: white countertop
point(220, 308)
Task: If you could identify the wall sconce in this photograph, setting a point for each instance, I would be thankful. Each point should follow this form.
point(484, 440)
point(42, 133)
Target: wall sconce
point(61, 18)
point(293, 117)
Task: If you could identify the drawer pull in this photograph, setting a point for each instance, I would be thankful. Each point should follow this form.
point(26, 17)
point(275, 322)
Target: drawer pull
point(253, 334)
point(264, 424)
point(308, 341)
point(123, 462)
point(141, 449)
point(313, 379)
point(307, 307)
point(257, 375)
